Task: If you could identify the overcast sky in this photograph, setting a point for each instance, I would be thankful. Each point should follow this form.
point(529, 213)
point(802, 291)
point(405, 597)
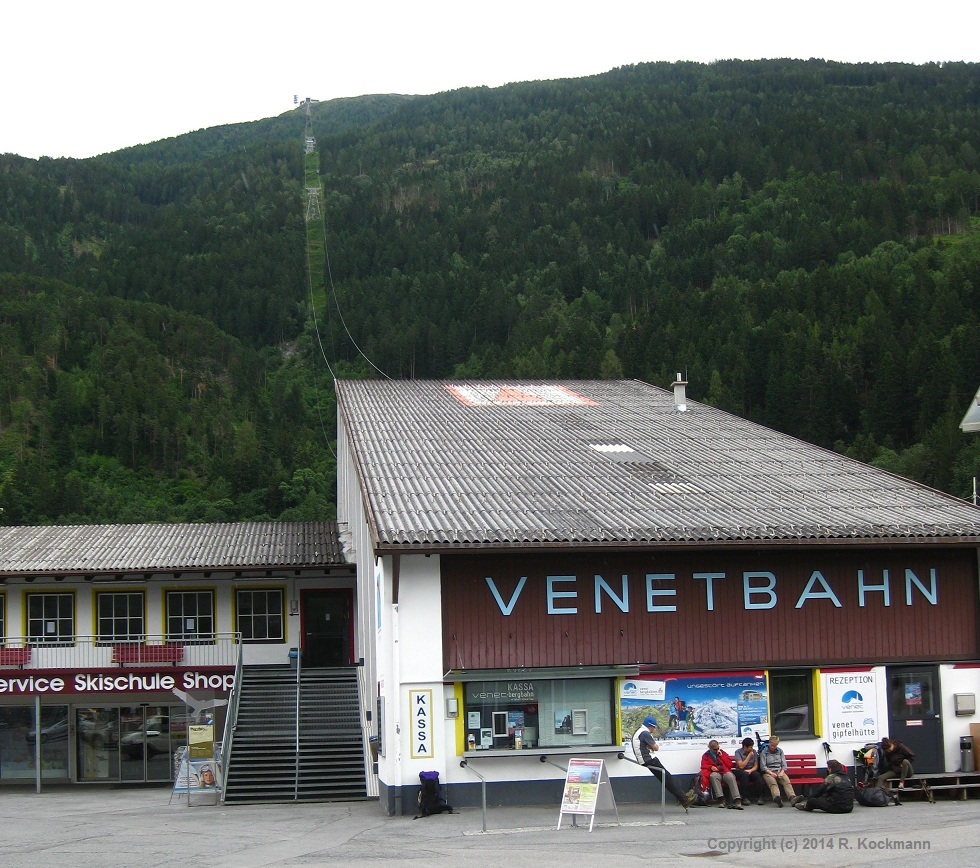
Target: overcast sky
point(79, 79)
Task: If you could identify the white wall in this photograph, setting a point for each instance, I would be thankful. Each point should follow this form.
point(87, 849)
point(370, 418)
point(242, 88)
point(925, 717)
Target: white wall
point(958, 679)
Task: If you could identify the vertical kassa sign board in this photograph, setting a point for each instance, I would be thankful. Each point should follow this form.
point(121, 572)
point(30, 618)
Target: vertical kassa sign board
point(420, 711)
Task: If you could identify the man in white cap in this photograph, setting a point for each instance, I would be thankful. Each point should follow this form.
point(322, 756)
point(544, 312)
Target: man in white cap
point(644, 747)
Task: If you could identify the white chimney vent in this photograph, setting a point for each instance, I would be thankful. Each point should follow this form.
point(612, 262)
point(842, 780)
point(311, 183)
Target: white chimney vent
point(680, 395)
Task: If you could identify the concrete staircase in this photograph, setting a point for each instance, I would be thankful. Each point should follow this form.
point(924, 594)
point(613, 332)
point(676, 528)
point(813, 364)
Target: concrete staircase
point(268, 764)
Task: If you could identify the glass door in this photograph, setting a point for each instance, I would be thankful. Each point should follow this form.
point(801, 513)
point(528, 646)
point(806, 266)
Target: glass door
point(144, 743)
point(97, 743)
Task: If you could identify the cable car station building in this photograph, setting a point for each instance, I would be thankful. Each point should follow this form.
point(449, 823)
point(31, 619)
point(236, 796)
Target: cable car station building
point(520, 573)
point(542, 565)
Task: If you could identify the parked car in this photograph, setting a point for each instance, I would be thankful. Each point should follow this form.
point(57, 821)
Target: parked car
point(154, 733)
point(792, 721)
point(52, 732)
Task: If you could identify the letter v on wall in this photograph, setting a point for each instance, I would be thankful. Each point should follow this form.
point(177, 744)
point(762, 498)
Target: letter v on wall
point(506, 608)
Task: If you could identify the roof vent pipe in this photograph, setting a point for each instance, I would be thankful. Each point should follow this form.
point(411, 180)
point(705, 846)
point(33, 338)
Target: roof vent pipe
point(680, 396)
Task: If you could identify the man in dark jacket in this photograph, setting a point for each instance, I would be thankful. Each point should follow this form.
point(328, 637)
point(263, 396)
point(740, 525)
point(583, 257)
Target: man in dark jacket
point(835, 795)
point(896, 762)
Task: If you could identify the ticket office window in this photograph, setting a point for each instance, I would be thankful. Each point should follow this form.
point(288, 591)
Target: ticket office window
point(501, 715)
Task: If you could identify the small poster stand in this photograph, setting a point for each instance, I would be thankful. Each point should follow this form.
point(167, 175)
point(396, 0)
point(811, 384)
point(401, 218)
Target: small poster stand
point(587, 788)
point(199, 779)
point(197, 765)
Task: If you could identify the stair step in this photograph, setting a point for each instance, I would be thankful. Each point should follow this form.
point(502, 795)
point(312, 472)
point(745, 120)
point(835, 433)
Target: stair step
point(330, 756)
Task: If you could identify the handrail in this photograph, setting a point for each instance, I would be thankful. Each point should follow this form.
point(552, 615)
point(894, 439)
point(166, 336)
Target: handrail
point(299, 670)
point(464, 764)
point(231, 721)
point(109, 652)
point(663, 785)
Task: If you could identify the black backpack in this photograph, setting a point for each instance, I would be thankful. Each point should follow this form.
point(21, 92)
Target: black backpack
point(430, 796)
point(873, 797)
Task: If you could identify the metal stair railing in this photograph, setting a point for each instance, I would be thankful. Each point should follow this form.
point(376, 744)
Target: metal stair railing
point(231, 720)
point(299, 672)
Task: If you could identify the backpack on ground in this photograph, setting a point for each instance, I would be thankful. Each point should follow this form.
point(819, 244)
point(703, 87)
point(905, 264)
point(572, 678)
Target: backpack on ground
point(874, 797)
point(701, 794)
point(430, 796)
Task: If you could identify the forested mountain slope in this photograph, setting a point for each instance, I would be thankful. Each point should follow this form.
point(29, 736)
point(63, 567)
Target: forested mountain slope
point(800, 238)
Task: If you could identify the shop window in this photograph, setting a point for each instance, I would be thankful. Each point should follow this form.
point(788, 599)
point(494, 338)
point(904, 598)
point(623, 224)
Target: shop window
point(51, 619)
point(190, 616)
point(791, 702)
point(120, 617)
point(260, 615)
point(501, 715)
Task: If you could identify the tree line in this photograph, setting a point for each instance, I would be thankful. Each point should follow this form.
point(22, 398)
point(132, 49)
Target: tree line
point(800, 237)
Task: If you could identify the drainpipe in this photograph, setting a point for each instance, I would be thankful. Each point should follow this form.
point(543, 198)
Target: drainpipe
point(396, 705)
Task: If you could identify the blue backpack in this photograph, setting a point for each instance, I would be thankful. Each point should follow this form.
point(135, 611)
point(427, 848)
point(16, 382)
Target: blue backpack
point(430, 796)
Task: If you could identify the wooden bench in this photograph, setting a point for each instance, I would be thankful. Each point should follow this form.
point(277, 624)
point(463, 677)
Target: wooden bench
point(133, 654)
point(926, 785)
point(15, 656)
point(802, 770)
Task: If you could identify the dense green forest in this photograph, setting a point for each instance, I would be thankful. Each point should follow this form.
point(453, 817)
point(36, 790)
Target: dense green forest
point(801, 239)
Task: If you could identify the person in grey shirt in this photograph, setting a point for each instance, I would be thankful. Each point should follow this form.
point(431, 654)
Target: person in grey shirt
point(773, 763)
point(745, 767)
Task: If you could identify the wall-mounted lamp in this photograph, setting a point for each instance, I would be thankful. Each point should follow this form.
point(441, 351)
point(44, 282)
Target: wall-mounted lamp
point(294, 607)
point(452, 707)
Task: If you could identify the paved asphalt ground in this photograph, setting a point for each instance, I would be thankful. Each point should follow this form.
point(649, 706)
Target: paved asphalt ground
point(87, 826)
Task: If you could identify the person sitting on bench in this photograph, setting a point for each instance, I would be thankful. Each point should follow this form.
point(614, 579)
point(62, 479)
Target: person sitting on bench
point(896, 760)
point(746, 771)
point(835, 795)
point(716, 768)
point(772, 763)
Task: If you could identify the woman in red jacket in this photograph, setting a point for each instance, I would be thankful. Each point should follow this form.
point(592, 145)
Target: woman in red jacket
point(716, 768)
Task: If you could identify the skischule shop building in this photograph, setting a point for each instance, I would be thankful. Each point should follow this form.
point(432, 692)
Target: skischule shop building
point(101, 625)
point(541, 565)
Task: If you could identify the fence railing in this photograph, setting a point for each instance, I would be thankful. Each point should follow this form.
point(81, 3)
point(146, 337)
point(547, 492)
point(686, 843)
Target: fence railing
point(99, 652)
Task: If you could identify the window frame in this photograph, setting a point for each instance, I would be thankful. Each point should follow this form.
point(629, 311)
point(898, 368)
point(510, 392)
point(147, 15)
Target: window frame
point(496, 704)
point(802, 695)
point(60, 639)
point(251, 617)
point(102, 639)
point(185, 636)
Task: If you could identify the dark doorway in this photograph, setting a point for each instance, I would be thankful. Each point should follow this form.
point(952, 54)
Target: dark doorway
point(914, 714)
point(327, 636)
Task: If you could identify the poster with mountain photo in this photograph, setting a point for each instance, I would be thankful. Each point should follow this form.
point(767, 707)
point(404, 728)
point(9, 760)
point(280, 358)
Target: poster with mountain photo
point(691, 707)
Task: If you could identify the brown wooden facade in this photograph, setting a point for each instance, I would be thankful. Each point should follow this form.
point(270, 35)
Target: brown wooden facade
point(699, 610)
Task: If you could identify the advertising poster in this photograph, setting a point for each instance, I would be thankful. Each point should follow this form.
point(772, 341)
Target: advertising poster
point(726, 706)
point(852, 706)
point(194, 777)
point(200, 740)
point(581, 786)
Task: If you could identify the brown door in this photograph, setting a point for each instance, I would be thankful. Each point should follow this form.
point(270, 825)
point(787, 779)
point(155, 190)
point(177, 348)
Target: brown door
point(915, 714)
point(327, 636)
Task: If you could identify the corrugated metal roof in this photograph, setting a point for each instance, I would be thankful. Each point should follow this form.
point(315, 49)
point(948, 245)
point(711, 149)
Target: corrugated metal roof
point(133, 548)
point(447, 465)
